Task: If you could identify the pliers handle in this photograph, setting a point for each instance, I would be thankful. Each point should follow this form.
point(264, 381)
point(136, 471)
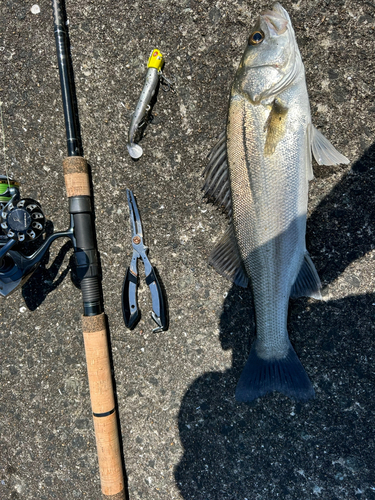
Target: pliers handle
point(130, 308)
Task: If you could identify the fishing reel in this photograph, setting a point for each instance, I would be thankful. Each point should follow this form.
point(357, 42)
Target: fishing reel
point(21, 222)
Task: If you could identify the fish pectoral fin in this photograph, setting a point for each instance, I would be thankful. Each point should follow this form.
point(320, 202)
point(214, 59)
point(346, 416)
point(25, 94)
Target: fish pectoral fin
point(324, 152)
point(275, 126)
point(216, 186)
point(307, 283)
point(226, 259)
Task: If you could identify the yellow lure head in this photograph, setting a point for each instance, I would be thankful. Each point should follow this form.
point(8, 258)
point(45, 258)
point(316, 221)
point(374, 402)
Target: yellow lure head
point(156, 60)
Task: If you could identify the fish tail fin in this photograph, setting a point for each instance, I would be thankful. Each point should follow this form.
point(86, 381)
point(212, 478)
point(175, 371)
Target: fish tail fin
point(285, 375)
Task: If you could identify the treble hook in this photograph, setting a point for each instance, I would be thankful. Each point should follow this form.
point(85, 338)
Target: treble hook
point(167, 83)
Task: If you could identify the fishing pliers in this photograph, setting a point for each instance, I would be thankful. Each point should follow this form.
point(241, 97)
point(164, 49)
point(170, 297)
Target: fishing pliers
point(130, 309)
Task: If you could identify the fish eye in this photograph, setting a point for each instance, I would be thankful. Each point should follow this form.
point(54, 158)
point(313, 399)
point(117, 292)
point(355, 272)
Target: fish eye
point(256, 37)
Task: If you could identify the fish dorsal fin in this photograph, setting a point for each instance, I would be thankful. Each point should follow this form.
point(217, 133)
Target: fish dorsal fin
point(216, 187)
point(307, 283)
point(275, 126)
point(324, 152)
point(226, 259)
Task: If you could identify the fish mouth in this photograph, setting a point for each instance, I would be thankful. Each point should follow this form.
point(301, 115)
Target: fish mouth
point(276, 19)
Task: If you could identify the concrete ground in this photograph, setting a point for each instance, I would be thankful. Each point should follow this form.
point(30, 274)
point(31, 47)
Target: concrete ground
point(184, 436)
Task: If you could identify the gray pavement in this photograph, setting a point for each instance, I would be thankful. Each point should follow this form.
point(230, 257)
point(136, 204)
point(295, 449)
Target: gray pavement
point(184, 435)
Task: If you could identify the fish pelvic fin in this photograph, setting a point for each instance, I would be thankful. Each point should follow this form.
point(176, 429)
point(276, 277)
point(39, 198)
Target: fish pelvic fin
point(285, 375)
point(226, 259)
point(324, 152)
point(307, 283)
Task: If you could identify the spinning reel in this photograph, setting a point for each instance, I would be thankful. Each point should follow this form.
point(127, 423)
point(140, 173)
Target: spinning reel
point(21, 222)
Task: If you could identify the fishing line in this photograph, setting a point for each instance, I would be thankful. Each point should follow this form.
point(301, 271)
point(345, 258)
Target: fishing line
point(5, 181)
point(4, 148)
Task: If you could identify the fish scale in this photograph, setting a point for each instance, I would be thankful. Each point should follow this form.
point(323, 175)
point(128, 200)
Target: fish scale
point(261, 180)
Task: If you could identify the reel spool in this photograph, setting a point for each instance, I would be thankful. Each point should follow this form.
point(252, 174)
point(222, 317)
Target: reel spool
point(20, 220)
point(23, 222)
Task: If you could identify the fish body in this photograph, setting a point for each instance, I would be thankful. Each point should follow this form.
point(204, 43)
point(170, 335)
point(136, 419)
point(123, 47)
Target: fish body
point(259, 172)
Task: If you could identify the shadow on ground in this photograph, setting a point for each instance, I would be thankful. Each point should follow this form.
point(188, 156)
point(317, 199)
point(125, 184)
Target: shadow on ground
point(275, 447)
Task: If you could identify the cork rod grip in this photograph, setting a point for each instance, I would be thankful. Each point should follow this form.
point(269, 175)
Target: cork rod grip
point(76, 176)
point(103, 407)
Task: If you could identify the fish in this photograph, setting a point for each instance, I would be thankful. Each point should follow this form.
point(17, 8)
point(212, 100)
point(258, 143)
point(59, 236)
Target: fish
point(259, 173)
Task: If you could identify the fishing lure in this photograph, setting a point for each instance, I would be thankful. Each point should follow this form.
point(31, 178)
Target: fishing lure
point(153, 77)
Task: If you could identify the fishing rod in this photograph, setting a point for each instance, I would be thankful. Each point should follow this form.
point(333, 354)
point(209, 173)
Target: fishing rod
point(22, 224)
point(77, 182)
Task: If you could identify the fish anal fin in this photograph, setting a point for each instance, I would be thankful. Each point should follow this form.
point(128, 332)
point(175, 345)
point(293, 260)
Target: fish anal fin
point(275, 126)
point(225, 258)
point(307, 283)
point(285, 375)
point(324, 152)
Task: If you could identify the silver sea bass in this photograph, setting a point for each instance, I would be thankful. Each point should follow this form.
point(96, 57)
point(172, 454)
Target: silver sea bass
point(259, 173)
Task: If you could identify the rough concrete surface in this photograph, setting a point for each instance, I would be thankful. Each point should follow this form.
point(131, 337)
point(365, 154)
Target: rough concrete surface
point(184, 436)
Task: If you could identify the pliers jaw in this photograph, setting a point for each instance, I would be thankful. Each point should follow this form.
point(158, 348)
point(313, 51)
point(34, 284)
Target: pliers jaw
point(158, 313)
point(130, 308)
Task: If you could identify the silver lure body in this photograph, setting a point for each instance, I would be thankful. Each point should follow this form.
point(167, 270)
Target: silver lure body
point(259, 173)
point(151, 82)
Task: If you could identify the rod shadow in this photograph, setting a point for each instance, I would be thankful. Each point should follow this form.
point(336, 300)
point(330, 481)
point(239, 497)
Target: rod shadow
point(274, 446)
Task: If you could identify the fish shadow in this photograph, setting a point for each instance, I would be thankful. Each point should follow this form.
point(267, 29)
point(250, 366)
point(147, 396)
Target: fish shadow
point(275, 446)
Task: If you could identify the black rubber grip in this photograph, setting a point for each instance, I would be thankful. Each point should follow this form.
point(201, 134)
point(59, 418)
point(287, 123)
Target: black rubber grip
point(91, 296)
point(90, 288)
point(152, 278)
point(130, 309)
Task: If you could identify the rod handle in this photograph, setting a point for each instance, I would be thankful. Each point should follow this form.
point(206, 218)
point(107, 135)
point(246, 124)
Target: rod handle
point(76, 174)
point(103, 407)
